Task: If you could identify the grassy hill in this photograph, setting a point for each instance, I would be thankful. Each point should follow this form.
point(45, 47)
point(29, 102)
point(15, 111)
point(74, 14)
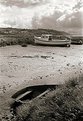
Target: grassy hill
point(15, 31)
point(12, 36)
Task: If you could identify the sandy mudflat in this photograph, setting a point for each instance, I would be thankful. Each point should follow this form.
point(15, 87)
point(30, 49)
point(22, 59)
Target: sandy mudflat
point(38, 65)
point(21, 67)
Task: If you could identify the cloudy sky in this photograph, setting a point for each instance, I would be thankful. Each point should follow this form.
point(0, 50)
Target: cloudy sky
point(52, 14)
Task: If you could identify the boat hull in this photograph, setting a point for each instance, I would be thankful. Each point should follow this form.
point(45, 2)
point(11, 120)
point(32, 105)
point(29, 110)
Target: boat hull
point(53, 42)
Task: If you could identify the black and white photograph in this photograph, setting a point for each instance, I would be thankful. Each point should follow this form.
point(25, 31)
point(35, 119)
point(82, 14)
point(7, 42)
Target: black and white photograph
point(41, 60)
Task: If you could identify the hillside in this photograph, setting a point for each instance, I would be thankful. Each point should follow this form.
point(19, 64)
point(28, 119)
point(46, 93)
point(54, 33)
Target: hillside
point(14, 36)
point(25, 32)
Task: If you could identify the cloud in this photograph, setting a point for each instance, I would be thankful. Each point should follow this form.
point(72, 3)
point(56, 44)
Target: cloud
point(14, 17)
point(47, 21)
point(78, 5)
point(52, 14)
point(73, 19)
point(23, 3)
point(66, 19)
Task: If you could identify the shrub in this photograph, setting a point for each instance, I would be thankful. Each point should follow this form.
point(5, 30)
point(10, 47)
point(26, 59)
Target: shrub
point(17, 41)
point(2, 42)
point(24, 45)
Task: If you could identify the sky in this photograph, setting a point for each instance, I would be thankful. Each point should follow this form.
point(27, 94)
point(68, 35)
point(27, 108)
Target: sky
point(65, 15)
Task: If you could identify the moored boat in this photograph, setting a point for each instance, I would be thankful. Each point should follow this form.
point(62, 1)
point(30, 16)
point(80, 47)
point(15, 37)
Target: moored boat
point(48, 39)
point(77, 39)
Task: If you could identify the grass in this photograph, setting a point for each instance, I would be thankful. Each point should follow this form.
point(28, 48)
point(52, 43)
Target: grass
point(16, 41)
point(63, 104)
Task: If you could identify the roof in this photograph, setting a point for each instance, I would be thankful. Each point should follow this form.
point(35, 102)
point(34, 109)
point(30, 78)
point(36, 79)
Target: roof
point(47, 34)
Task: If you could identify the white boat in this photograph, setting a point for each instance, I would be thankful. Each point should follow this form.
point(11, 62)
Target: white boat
point(48, 39)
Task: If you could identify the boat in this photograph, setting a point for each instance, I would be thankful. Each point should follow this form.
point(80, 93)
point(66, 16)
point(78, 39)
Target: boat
point(49, 39)
point(27, 94)
point(77, 39)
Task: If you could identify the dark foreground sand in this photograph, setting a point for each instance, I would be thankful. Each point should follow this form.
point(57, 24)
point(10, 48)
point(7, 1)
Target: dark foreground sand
point(20, 67)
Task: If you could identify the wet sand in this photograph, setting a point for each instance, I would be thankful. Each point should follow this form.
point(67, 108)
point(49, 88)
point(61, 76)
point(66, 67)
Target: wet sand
point(31, 65)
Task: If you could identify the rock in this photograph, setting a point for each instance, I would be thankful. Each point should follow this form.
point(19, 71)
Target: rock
point(68, 64)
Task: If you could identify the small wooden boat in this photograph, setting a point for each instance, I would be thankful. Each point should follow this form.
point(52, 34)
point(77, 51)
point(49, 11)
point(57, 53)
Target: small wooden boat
point(48, 39)
point(29, 93)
